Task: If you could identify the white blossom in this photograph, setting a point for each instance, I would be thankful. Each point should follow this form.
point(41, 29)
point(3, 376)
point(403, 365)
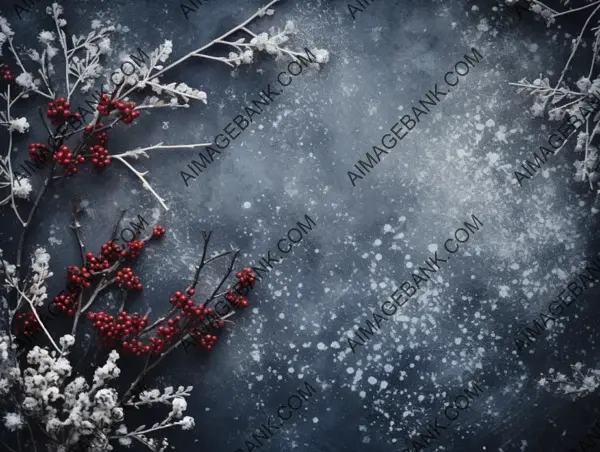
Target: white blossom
point(46, 37)
point(34, 55)
point(321, 55)
point(187, 423)
point(179, 405)
point(25, 80)
point(22, 187)
point(107, 372)
point(5, 27)
point(13, 421)
point(66, 341)
point(19, 124)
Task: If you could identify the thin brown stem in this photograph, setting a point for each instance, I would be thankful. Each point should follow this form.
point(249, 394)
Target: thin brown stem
point(140, 376)
point(32, 438)
point(202, 263)
point(103, 284)
point(229, 270)
point(7, 446)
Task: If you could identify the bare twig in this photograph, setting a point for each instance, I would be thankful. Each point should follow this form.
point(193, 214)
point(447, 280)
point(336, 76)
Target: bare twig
point(229, 270)
point(103, 284)
point(77, 228)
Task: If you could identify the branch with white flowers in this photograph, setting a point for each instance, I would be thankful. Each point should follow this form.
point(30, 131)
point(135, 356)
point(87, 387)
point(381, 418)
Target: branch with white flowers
point(557, 100)
point(148, 75)
point(578, 385)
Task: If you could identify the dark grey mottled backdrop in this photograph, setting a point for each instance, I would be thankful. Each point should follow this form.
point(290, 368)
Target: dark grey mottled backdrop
point(458, 161)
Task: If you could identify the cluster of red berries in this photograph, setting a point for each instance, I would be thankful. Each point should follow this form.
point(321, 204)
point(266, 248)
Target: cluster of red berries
point(128, 112)
point(117, 329)
point(136, 347)
point(96, 264)
point(186, 304)
point(158, 345)
point(38, 152)
point(246, 277)
point(101, 136)
point(158, 231)
point(127, 280)
point(111, 251)
point(79, 276)
point(134, 251)
point(204, 340)
point(166, 333)
point(236, 300)
point(65, 303)
point(65, 158)
point(30, 324)
point(6, 73)
point(126, 109)
point(100, 156)
point(59, 111)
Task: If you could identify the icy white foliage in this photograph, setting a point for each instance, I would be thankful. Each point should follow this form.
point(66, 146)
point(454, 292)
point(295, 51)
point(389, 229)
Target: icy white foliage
point(155, 396)
point(576, 386)
point(19, 124)
point(558, 99)
point(40, 268)
point(13, 421)
point(70, 408)
point(22, 188)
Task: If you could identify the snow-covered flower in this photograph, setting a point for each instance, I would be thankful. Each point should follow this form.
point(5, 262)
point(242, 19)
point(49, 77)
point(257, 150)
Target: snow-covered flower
point(260, 41)
point(179, 405)
point(19, 124)
point(66, 341)
point(321, 55)
point(51, 52)
point(187, 423)
point(290, 27)
point(34, 55)
point(104, 46)
point(4, 344)
point(247, 56)
point(22, 187)
point(107, 372)
point(13, 421)
point(25, 80)
point(46, 37)
point(125, 441)
point(54, 11)
point(5, 27)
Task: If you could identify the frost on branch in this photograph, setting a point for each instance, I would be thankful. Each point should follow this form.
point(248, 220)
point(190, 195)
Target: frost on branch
point(74, 412)
point(559, 99)
point(579, 385)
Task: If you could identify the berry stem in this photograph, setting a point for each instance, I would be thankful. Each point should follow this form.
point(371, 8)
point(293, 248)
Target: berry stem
point(35, 313)
point(103, 284)
point(229, 270)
